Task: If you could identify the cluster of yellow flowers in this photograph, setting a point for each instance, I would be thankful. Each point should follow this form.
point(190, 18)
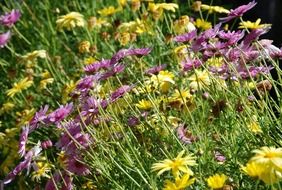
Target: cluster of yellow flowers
point(265, 165)
point(180, 171)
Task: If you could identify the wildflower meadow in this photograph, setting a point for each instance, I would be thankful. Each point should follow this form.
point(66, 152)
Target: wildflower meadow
point(138, 94)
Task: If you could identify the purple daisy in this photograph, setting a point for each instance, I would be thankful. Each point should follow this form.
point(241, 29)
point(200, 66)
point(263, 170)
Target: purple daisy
point(239, 11)
point(186, 37)
point(59, 114)
point(9, 19)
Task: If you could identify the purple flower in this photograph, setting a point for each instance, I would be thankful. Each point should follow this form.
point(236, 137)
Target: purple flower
point(23, 140)
point(254, 34)
point(86, 83)
point(231, 37)
point(4, 38)
point(127, 52)
point(10, 18)
point(211, 33)
point(186, 37)
point(67, 183)
point(156, 69)
point(118, 93)
point(184, 136)
point(133, 121)
point(55, 179)
point(39, 117)
point(60, 113)
point(91, 107)
point(94, 67)
point(190, 64)
point(25, 164)
point(238, 12)
point(118, 68)
point(219, 157)
point(76, 166)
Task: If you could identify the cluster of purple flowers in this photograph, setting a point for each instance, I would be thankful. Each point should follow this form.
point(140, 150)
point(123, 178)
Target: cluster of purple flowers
point(241, 56)
point(8, 20)
point(85, 110)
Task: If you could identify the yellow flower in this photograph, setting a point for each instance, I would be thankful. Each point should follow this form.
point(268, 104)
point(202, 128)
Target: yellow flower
point(180, 183)
point(7, 107)
point(89, 185)
point(84, 47)
point(199, 80)
point(157, 9)
point(70, 21)
point(44, 82)
point(253, 169)
point(68, 88)
point(214, 9)
point(135, 5)
point(164, 80)
point(263, 172)
point(182, 100)
point(254, 125)
point(217, 181)
point(18, 87)
point(42, 170)
point(268, 156)
point(25, 116)
point(31, 57)
point(89, 60)
point(94, 22)
point(124, 38)
point(215, 61)
point(122, 3)
point(107, 11)
point(177, 165)
point(253, 25)
point(202, 24)
point(183, 25)
point(144, 105)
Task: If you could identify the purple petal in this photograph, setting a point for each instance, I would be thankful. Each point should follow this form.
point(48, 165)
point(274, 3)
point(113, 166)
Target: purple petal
point(23, 140)
point(9, 19)
point(4, 38)
point(127, 52)
point(238, 12)
point(186, 37)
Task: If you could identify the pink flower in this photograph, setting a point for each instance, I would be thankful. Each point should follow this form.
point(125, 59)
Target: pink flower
point(118, 93)
point(4, 38)
point(76, 166)
point(190, 64)
point(38, 118)
point(127, 52)
point(60, 113)
point(156, 69)
point(94, 67)
point(219, 157)
point(184, 135)
point(186, 37)
point(238, 12)
point(9, 19)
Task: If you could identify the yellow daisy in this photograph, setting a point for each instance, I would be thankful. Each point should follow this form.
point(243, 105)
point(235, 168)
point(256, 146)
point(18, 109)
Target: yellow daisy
point(18, 87)
point(70, 21)
point(177, 165)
